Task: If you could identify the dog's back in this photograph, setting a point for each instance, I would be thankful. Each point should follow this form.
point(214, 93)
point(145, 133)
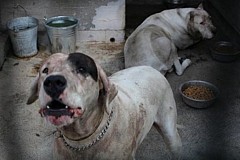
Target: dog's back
point(140, 81)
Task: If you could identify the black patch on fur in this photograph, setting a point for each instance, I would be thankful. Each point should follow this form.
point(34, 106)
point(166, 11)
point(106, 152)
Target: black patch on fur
point(193, 32)
point(83, 64)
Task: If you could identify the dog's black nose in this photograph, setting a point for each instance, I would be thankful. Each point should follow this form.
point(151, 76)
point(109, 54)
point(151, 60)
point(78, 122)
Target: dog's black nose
point(55, 85)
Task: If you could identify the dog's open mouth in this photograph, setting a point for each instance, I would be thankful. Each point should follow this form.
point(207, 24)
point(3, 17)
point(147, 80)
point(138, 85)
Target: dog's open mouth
point(57, 109)
point(59, 113)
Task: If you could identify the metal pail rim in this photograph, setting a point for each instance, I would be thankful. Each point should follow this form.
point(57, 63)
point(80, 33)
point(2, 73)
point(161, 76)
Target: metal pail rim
point(48, 20)
point(10, 25)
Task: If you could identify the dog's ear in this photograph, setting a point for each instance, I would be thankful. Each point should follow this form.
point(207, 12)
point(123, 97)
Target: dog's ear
point(191, 16)
point(108, 90)
point(192, 30)
point(104, 81)
point(200, 6)
point(34, 91)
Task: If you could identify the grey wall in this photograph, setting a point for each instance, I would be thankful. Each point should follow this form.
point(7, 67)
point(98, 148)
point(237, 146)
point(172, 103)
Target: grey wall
point(84, 10)
point(230, 10)
point(155, 1)
point(99, 20)
point(226, 17)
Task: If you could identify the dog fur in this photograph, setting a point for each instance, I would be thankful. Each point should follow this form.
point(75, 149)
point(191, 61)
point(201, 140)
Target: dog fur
point(156, 40)
point(77, 97)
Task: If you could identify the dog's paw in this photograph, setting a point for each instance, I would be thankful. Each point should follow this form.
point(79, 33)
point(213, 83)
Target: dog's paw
point(186, 63)
point(180, 67)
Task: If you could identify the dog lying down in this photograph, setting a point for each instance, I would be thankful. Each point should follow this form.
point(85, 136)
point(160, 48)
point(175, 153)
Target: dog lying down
point(155, 41)
point(100, 117)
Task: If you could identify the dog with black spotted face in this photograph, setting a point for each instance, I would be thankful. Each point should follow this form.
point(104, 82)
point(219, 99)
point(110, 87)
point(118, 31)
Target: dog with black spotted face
point(156, 40)
point(100, 117)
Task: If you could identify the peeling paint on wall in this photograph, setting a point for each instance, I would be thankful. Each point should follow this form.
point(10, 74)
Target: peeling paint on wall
point(110, 17)
point(99, 20)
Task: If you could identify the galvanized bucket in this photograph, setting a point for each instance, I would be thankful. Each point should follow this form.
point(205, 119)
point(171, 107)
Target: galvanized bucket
point(23, 35)
point(62, 33)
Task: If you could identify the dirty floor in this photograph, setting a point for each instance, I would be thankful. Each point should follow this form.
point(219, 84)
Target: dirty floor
point(211, 133)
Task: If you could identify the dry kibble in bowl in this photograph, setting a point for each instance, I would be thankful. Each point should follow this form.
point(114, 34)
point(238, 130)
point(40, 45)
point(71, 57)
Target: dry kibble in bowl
point(198, 92)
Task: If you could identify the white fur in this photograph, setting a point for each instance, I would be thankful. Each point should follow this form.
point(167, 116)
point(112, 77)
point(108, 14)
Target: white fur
point(138, 96)
point(156, 40)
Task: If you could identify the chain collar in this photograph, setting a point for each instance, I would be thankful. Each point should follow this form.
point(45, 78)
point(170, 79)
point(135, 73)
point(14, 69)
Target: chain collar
point(98, 138)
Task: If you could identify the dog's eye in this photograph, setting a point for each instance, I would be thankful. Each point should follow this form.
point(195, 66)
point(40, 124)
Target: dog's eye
point(81, 70)
point(202, 23)
point(45, 71)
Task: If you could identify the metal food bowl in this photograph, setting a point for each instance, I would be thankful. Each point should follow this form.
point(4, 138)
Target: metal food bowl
point(175, 3)
point(224, 51)
point(199, 103)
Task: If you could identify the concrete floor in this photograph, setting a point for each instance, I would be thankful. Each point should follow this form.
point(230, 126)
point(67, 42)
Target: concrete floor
point(211, 133)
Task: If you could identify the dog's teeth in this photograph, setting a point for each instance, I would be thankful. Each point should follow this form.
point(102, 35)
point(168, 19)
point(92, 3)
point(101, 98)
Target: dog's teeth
point(48, 107)
point(66, 107)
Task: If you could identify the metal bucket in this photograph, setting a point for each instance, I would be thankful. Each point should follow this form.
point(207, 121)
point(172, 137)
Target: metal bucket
point(23, 35)
point(62, 33)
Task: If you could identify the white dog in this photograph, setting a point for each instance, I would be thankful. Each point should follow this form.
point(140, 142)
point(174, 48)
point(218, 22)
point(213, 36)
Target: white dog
point(100, 117)
point(156, 40)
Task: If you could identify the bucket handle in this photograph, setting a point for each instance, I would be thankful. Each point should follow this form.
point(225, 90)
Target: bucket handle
point(18, 5)
point(45, 18)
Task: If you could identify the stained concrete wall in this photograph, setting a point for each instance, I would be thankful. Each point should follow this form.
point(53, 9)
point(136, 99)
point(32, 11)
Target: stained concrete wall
point(100, 20)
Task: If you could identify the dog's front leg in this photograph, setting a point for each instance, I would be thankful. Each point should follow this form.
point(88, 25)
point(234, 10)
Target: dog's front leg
point(181, 67)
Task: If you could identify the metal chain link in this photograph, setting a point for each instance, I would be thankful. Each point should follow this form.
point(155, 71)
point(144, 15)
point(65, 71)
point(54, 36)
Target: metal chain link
point(98, 138)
